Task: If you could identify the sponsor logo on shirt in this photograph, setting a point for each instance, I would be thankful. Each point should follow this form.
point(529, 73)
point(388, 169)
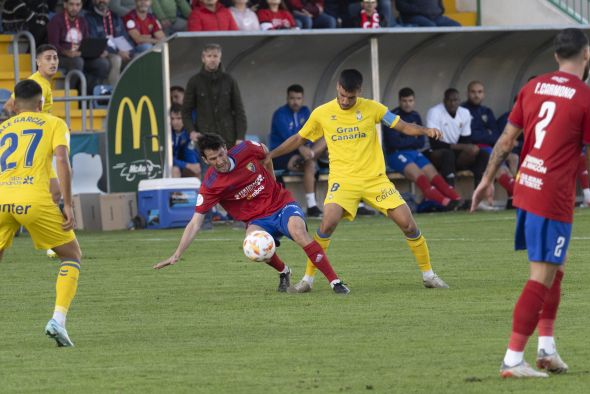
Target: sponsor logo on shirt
point(333, 117)
point(252, 190)
point(385, 194)
point(18, 181)
point(559, 79)
point(348, 133)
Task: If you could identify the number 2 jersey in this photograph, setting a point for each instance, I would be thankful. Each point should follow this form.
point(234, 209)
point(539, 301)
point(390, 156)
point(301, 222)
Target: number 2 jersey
point(27, 143)
point(554, 110)
point(248, 191)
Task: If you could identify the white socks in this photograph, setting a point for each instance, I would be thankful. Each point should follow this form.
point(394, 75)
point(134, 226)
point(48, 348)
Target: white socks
point(586, 196)
point(59, 317)
point(513, 358)
point(310, 198)
point(547, 344)
point(428, 274)
point(308, 279)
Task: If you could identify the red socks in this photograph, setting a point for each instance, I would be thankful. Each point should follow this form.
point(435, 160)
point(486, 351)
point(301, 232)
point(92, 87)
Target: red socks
point(549, 312)
point(526, 314)
point(507, 183)
point(318, 257)
point(276, 263)
point(430, 192)
point(439, 182)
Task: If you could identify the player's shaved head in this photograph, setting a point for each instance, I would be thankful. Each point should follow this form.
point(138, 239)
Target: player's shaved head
point(27, 96)
point(351, 80)
point(570, 43)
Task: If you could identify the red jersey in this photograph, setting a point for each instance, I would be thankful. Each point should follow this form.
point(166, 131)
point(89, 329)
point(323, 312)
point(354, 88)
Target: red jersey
point(554, 111)
point(282, 19)
point(147, 26)
point(248, 191)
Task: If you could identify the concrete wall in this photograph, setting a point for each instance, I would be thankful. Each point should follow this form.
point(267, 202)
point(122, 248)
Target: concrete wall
point(521, 12)
point(428, 60)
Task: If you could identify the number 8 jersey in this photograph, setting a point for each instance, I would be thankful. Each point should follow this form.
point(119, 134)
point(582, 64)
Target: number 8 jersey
point(27, 143)
point(554, 111)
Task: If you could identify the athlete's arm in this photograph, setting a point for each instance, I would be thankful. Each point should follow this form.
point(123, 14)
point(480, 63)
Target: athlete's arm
point(415, 130)
point(268, 163)
point(502, 149)
point(290, 144)
point(190, 232)
point(64, 174)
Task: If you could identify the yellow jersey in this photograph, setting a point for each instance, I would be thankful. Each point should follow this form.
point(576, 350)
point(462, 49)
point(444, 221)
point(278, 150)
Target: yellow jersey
point(46, 88)
point(27, 143)
point(351, 137)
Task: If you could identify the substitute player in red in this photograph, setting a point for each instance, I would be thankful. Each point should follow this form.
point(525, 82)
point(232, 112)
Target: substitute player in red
point(554, 111)
point(248, 191)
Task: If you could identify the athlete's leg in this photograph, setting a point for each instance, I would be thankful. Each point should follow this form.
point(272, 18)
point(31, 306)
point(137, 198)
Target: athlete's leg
point(414, 174)
point(402, 216)
point(439, 182)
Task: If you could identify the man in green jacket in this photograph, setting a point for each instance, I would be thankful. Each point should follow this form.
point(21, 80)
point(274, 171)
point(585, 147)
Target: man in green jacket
point(212, 101)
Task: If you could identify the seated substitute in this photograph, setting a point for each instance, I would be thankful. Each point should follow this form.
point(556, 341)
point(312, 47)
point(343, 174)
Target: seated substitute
point(286, 121)
point(245, 187)
point(403, 154)
point(186, 159)
point(455, 150)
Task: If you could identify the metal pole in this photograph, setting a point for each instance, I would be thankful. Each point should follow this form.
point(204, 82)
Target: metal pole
point(168, 155)
point(15, 54)
point(375, 77)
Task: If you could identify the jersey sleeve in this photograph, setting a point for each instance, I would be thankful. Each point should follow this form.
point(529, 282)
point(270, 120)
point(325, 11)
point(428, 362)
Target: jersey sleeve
point(466, 129)
point(380, 111)
point(61, 135)
point(516, 115)
point(312, 129)
point(257, 150)
point(206, 200)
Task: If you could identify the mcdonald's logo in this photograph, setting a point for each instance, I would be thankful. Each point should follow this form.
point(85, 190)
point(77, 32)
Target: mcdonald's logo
point(135, 113)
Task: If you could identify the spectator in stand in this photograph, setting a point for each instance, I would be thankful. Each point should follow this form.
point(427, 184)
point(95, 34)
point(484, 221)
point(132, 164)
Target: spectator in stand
point(143, 27)
point(66, 30)
point(172, 14)
point(177, 94)
point(339, 10)
point(30, 15)
point(211, 16)
point(103, 23)
point(383, 7)
point(274, 15)
point(122, 7)
point(186, 158)
point(310, 14)
point(287, 121)
point(424, 13)
point(455, 149)
point(368, 17)
point(245, 18)
point(215, 95)
point(403, 154)
point(485, 132)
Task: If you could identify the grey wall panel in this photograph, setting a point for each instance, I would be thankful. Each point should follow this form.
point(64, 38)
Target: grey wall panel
point(428, 60)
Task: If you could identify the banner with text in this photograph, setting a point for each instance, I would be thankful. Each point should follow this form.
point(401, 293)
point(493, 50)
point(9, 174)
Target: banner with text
point(136, 125)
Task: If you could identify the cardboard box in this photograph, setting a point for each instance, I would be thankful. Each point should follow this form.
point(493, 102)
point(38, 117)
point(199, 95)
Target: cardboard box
point(87, 211)
point(116, 210)
point(104, 212)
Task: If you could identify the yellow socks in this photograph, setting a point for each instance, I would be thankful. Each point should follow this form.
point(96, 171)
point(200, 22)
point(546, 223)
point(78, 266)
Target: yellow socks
point(419, 248)
point(310, 269)
point(65, 288)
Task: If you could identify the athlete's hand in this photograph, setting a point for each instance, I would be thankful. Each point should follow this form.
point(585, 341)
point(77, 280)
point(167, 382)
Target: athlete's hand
point(433, 133)
point(485, 190)
point(169, 261)
point(68, 213)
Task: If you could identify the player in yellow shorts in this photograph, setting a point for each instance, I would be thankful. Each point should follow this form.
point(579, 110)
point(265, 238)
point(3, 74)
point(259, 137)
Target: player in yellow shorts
point(47, 64)
point(28, 142)
point(357, 169)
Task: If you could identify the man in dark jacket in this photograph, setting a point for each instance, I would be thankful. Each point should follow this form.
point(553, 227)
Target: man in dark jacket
point(424, 13)
point(215, 97)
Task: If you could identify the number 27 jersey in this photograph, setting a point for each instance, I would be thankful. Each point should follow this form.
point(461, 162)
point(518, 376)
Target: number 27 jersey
point(554, 111)
point(27, 143)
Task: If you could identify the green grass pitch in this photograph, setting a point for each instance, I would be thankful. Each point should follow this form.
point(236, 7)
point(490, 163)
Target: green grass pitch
point(214, 323)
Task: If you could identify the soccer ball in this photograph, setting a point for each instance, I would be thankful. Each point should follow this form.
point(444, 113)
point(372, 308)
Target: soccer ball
point(259, 246)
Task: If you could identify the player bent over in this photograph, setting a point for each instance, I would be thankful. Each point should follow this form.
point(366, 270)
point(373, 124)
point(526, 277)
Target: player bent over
point(239, 181)
point(357, 168)
point(27, 143)
point(553, 110)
